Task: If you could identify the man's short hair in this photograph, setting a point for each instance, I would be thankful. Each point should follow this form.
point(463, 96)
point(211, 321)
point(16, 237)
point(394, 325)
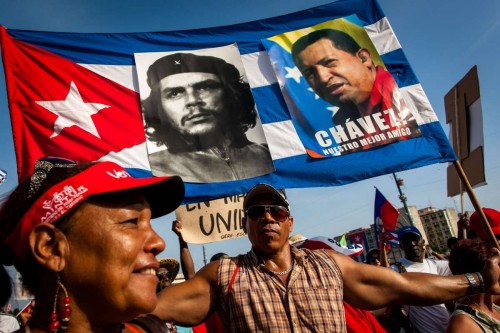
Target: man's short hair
point(237, 94)
point(339, 39)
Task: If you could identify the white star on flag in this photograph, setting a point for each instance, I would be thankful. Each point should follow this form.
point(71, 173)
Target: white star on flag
point(358, 239)
point(73, 111)
point(333, 109)
point(315, 95)
point(293, 73)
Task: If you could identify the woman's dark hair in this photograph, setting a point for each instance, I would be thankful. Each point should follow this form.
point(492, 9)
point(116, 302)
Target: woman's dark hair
point(12, 212)
point(371, 253)
point(469, 256)
point(239, 104)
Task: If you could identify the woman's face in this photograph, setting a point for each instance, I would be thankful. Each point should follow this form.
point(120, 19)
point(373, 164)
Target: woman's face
point(111, 269)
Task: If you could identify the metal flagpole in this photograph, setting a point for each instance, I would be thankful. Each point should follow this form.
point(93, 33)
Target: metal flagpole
point(402, 196)
point(204, 255)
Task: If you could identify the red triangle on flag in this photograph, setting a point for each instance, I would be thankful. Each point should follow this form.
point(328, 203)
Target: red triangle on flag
point(59, 108)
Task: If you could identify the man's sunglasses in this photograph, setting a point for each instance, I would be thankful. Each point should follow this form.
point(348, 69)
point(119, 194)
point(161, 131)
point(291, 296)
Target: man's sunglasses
point(278, 213)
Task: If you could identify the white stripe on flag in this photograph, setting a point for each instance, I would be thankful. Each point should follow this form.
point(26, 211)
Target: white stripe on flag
point(133, 157)
point(416, 99)
point(383, 36)
point(122, 74)
point(283, 140)
point(259, 70)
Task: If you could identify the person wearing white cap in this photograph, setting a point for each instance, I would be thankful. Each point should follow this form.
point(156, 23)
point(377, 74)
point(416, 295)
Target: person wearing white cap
point(434, 318)
point(277, 288)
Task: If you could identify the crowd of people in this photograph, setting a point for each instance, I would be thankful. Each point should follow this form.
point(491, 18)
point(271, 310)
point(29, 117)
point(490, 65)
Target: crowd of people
point(467, 254)
point(81, 237)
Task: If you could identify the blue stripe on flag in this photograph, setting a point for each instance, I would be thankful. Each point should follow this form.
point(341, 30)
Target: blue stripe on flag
point(88, 48)
point(400, 69)
point(269, 98)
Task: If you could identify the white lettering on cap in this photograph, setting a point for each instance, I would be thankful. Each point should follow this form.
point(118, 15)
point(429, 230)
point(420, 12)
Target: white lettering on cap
point(118, 174)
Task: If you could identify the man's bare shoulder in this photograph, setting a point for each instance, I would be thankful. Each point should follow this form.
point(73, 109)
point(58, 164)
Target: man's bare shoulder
point(209, 272)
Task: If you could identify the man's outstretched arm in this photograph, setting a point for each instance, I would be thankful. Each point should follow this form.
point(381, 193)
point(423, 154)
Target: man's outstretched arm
point(189, 303)
point(370, 287)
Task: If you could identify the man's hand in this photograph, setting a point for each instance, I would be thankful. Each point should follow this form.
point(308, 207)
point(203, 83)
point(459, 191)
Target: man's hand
point(177, 228)
point(384, 237)
point(491, 273)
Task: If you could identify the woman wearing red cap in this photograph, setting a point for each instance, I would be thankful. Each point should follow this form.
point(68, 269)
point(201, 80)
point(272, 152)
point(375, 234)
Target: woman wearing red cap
point(476, 227)
point(81, 237)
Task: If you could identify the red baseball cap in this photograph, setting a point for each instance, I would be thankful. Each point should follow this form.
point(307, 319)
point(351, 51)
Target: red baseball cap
point(164, 194)
point(493, 217)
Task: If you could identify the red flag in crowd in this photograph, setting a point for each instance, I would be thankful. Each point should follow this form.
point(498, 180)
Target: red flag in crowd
point(385, 213)
point(357, 237)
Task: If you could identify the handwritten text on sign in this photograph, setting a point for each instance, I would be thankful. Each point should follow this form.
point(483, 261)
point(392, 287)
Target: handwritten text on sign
point(212, 221)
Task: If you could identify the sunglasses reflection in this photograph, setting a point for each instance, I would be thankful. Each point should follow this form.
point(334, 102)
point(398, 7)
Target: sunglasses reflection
point(277, 212)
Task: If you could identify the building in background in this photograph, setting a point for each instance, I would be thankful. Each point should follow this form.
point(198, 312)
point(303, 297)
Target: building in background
point(435, 225)
point(439, 225)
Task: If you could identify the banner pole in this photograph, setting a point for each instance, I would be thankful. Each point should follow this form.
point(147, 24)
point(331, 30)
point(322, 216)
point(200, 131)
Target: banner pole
point(475, 203)
point(458, 151)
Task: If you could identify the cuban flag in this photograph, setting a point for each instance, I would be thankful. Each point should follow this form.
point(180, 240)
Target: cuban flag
point(357, 237)
point(321, 242)
point(75, 95)
point(386, 218)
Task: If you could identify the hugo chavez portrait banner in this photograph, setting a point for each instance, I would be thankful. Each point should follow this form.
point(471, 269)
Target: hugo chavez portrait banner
point(340, 96)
